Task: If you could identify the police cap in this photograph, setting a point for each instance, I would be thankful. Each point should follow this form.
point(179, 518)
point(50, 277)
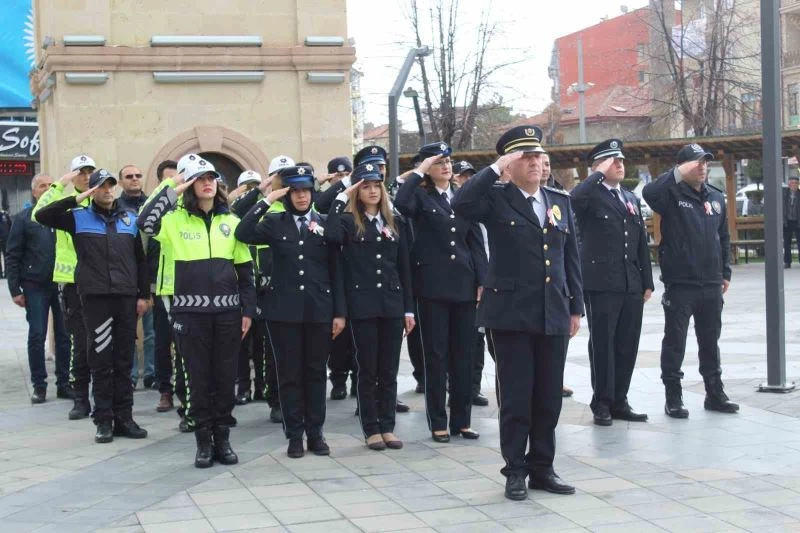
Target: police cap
point(521, 139)
point(693, 152)
point(433, 149)
point(463, 166)
point(82, 161)
point(297, 177)
point(371, 154)
point(366, 172)
point(605, 149)
point(340, 164)
point(100, 176)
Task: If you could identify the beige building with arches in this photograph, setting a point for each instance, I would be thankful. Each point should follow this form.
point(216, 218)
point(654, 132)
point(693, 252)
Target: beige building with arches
point(240, 81)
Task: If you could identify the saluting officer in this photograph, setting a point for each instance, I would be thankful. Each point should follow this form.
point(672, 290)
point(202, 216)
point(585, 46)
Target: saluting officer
point(449, 266)
point(694, 254)
point(531, 305)
point(617, 279)
point(306, 304)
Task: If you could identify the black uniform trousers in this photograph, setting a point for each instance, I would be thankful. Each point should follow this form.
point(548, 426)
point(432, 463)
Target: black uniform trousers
point(209, 343)
point(415, 353)
point(680, 303)
point(377, 342)
point(342, 361)
point(615, 325)
point(791, 230)
point(252, 348)
point(110, 322)
point(448, 330)
point(163, 345)
point(477, 362)
point(530, 373)
point(73, 320)
point(301, 352)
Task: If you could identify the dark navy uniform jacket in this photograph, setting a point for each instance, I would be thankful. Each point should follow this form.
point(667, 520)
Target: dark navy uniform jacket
point(613, 239)
point(377, 272)
point(695, 243)
point(447, 256)
point(534, 281)
point(306, 282)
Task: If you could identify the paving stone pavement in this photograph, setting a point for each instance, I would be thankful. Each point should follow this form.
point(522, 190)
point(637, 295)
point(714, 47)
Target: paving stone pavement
point(712, 472)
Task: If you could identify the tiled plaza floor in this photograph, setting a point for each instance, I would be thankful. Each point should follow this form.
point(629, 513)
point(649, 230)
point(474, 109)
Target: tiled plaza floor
point(712, 472)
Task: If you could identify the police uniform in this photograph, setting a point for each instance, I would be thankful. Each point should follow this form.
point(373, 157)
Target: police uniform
point(304, 294)
point(111, 272)
point(64, 276)
point(694, 255)
point(378, 292)
point(213, 290)
point(448, 264)
point(615, 263)
point(532, 289)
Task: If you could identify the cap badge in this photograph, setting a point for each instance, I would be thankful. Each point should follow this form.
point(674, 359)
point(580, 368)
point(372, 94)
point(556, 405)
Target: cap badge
point(369, 167)
point(301, 171)
point(529, 132)
point(340, 168)
point(283, 160)
point(202, 163)
point(192, 158)
point(697, 148)
point(556, 212)
point(225, 229)
point(614, 144)
point(373, 151)
point(83, 158)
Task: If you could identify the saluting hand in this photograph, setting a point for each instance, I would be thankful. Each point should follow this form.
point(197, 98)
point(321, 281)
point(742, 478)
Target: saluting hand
point(574, 324)
point(337, 327)
point(86, 194)
point(604, 165)
point(688, 168)
point(504, 161)
point(237, 192)
point(266, 184)
point(350, 191)
point(182, 183)
point(274, 196)
point(427, 163)
point(66, 179)
point(246, 323)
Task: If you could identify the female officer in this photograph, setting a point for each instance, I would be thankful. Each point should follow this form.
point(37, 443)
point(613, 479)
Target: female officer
point(214, 298)
point(449, 264)
point(306, 302)
point(379, 300)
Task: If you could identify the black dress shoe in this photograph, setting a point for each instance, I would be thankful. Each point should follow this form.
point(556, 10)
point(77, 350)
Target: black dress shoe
point(129, 428)
point(318, 446)
point(295, 450)
point(674, 404)
point(627, 413)
point(223, 453)
point(515, 488)
point(80, 409)
point(204, 458)
point(717, 400)
point(39, 395)
point(602, 415)
point(420, 389)
point(65, 392)
point(275, 415)
point(104, 433)
point(243, 398)
point(469, 434)
point(550, 483)
point(480, 400)
point(401, 407)
point(339, 392)
point(441, 438)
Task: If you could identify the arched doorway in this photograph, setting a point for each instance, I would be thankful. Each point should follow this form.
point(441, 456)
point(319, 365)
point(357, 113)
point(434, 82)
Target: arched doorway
point(226, 166)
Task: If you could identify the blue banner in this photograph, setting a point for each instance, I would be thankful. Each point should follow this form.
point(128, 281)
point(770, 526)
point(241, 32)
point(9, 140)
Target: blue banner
point(17, 53)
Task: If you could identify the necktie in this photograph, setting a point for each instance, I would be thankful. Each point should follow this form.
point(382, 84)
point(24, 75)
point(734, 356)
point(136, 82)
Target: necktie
point(445, 198)
point(303, 226)
point(535, 205)
point(374, 223)
point(615, 192)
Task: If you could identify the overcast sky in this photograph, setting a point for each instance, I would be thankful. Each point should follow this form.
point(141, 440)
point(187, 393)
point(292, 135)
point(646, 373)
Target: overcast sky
point(383, 37)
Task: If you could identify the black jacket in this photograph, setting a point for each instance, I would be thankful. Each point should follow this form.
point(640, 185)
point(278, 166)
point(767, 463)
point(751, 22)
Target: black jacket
point(377, 272)
point(262, 255)
point(614, 252)
point(448, 258)
point(131, 203)
point(534, 281)
point(5, 226)
point(695, 243)
point(323, 201)
point(306, 283)
point(30, 252)
point(787, 203)
point(111, 258)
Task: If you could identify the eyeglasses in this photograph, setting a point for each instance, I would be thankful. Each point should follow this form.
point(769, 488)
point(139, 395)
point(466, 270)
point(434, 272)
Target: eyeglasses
point(444, 162)
point(132, 176)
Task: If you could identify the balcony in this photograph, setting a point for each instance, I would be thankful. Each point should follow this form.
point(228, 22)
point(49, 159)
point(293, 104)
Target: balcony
point(789, 6)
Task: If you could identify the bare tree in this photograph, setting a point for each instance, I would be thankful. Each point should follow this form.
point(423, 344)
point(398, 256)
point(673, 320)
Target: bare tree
point(703, 64)
point(461, 75)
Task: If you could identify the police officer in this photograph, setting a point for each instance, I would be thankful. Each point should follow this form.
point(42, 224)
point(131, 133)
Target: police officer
point(214, 299)
point(694, 254)
point(81, 168)
point(449, 267)
point(306, 306)
point(462, 172)
point(617, 279)
point(111, 272)
point(531, 305)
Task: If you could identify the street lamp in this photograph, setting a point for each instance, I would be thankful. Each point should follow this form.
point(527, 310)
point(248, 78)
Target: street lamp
point(394, 96)
point(581, 87)
point(414, 95)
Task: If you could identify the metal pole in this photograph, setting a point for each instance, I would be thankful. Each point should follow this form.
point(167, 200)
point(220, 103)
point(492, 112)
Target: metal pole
point(773, 198)
point(418, 112)
point(581, 90)
point(394, 96)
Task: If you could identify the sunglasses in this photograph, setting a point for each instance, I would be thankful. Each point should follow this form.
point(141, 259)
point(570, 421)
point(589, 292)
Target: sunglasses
point(132, 176)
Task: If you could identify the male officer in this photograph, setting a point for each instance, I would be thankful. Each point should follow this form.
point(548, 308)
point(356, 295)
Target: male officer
point(531, 305)
point(617, 279)
point(791, 219)
point(695, 268)
point(462, 172)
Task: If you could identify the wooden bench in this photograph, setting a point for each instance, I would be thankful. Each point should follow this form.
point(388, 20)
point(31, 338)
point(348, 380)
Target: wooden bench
point(746, 244)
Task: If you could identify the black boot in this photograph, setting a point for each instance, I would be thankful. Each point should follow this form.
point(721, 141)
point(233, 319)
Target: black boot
point(674, 406)
point(205, 448)
point(80, 409)
point(716, 399)
point(222, 446)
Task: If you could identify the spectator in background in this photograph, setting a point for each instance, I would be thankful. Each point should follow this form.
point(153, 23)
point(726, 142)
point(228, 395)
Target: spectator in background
point(31, 254)
point(133, 197)
point(791, 219)
point(5, 228)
